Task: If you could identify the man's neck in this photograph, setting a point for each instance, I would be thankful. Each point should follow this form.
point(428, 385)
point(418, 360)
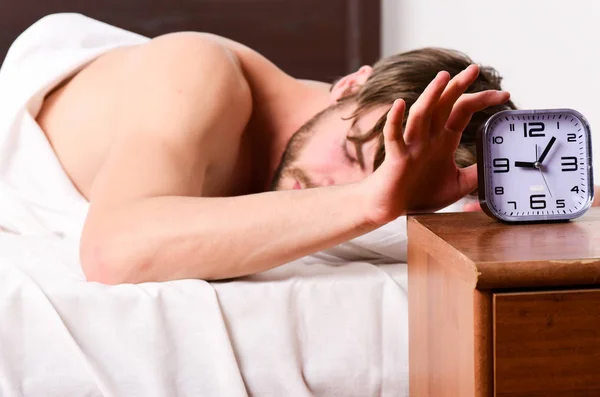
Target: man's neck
point(282, 105)
point(277, 116)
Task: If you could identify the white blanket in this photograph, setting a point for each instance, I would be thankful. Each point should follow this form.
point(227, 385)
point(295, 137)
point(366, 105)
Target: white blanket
point(303, 329)
point(36, 196)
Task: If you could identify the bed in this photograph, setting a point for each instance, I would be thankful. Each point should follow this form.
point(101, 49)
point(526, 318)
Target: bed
point(331, 324)
point(317, 326)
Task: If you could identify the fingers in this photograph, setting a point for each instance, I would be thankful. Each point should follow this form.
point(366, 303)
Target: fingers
point(471, 103)
point(392, 131)
point(472, 207)
point(457, 86)
point(467, 180)
point(419, 118)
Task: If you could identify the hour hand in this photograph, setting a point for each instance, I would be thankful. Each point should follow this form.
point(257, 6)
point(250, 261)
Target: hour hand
point(525, 164)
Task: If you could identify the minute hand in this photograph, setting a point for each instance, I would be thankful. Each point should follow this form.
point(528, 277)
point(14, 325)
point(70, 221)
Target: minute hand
point(546, 150)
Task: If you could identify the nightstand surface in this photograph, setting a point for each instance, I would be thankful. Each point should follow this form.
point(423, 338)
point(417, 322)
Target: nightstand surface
point(496, 254)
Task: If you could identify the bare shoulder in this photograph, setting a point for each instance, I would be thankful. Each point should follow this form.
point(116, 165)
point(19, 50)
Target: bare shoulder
point(187, 53)
point(177, 89)
point(183, 107)
point(186, 81)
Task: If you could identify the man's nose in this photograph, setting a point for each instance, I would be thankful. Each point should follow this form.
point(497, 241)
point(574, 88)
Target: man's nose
point(327, 181)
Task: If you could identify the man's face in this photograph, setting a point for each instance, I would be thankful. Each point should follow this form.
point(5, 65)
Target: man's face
point(320, 153)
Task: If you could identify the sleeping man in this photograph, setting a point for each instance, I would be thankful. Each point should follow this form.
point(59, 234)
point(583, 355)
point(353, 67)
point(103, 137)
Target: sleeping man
point(202, 159)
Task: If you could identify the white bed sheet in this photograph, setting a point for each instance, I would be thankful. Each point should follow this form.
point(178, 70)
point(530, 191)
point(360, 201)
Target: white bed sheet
point(306, 328)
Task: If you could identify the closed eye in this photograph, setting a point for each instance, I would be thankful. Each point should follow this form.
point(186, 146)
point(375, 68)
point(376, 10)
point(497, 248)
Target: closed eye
point(347, 152)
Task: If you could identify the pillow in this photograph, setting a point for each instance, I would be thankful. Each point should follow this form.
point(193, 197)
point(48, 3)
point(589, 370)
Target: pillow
point(387, 244)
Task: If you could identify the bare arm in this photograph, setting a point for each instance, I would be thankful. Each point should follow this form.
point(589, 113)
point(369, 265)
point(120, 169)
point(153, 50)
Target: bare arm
point(174, 237)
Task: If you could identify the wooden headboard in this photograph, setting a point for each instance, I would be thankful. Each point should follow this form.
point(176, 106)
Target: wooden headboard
point(314, 39)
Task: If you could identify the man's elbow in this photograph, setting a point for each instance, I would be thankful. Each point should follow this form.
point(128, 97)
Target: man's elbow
point(104, 262)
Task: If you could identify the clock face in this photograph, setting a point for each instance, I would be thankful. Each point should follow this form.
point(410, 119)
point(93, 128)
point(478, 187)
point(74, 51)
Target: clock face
point(537, 165)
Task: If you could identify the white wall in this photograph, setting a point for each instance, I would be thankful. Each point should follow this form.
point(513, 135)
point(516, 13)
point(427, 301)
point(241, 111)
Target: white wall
point(548, 51)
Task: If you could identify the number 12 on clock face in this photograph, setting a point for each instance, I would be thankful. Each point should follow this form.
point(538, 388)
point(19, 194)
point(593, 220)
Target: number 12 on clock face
point(535, 165)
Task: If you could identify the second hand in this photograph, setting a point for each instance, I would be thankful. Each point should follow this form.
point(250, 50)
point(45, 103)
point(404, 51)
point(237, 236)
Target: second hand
point(541, 173)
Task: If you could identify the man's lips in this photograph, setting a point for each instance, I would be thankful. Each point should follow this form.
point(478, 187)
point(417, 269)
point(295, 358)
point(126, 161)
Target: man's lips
point(297, 186)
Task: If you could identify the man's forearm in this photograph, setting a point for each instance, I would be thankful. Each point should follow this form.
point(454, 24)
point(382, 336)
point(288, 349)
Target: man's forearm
point(167, 238)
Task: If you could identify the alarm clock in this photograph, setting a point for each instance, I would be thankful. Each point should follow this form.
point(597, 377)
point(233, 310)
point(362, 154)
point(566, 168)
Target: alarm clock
point(535, 165)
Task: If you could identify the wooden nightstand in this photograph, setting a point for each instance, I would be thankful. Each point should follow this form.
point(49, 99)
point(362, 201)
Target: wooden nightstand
point(503, 310)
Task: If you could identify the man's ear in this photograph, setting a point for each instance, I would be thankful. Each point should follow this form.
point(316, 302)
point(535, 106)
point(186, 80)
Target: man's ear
point(349, 84)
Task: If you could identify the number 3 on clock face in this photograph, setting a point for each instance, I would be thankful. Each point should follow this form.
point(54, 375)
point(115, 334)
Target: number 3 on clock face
point(535, 165)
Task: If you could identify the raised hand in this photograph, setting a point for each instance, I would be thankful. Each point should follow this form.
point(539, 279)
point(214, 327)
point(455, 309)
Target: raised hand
point(419, 173)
